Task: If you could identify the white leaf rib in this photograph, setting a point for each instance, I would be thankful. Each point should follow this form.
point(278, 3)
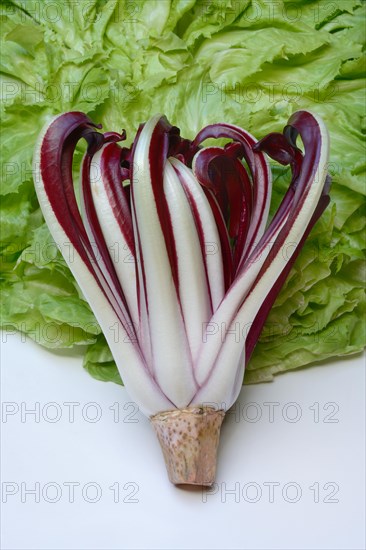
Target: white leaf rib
point(171, 356)
point(193, 291)
point(222, 318)
point(119, 251)
point(213, 255)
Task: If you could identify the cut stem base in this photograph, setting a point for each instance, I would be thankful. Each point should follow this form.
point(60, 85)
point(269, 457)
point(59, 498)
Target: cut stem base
point(189, 440)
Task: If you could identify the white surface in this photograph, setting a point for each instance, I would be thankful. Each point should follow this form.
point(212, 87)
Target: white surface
point(150, 513)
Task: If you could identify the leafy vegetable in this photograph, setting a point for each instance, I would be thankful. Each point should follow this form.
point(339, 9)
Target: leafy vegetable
point(187, 320)
point(200, 63)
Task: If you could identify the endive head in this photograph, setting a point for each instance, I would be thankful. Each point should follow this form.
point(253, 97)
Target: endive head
point(172, 247)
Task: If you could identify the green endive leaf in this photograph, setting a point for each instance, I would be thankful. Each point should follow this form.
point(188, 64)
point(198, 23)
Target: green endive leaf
point(247, 63)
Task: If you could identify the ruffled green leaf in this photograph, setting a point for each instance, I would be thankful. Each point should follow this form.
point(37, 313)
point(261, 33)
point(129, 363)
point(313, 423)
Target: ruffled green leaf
point(199, 62)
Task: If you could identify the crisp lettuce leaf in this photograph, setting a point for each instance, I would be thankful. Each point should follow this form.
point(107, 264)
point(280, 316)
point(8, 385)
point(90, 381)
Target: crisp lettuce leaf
point(249, 63)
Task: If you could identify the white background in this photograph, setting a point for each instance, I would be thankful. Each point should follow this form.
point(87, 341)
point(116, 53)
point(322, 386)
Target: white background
point(262, 498)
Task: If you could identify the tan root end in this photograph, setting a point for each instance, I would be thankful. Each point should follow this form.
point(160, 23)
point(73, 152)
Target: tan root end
point(189, 439)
